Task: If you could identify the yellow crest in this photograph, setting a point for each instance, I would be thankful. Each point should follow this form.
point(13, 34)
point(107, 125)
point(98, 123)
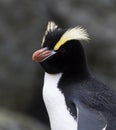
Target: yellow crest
point(77, 33)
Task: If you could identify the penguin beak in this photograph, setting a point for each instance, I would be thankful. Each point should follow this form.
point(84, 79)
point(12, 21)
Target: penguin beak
point(42, 54)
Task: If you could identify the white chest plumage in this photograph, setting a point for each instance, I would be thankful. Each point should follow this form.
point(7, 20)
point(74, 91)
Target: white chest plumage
point(60, 117)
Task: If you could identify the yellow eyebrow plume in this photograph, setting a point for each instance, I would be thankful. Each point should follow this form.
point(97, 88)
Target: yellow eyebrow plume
point(77, 33)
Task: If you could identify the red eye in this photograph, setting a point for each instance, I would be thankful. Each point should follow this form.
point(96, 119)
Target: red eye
point(62, 50)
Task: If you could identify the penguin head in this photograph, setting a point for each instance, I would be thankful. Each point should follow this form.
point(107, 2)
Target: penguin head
point(61, 49)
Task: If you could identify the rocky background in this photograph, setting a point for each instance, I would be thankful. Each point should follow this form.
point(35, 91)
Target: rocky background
point(22, 25)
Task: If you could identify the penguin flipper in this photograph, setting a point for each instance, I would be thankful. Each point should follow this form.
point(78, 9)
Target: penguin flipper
point(89, 119)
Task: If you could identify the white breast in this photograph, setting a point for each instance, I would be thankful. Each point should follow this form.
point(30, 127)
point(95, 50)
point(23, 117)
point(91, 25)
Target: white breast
point(60, 117)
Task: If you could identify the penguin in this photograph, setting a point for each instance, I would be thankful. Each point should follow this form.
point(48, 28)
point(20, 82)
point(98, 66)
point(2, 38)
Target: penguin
point(74, 99)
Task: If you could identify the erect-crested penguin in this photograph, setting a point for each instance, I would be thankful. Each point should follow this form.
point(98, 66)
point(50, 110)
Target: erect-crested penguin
point(73, 98)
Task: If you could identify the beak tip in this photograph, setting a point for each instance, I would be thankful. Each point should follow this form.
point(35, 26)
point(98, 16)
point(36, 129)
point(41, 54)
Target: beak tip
point(33, 57)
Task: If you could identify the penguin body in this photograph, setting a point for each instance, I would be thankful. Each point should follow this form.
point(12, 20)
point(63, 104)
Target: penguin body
point(60, 106)
point(73, 98)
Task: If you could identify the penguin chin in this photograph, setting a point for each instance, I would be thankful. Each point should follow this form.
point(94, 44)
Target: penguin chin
point(48, 68)
point(51, 65)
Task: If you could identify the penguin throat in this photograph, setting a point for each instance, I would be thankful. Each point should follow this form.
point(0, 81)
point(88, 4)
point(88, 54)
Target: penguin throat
point(77, 70)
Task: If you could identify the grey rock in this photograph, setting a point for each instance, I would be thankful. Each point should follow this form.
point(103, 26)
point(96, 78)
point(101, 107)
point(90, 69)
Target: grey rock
point(16, 121)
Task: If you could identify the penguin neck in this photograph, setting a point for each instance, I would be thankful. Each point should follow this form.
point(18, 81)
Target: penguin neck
point(78, 70)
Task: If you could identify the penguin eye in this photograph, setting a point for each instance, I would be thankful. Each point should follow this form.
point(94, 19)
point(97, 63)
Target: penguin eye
point(62, 50)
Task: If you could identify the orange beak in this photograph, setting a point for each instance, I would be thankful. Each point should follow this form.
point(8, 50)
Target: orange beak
point(41, 54)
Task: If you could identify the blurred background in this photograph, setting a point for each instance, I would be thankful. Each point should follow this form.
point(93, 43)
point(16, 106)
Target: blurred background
point(22, 25)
